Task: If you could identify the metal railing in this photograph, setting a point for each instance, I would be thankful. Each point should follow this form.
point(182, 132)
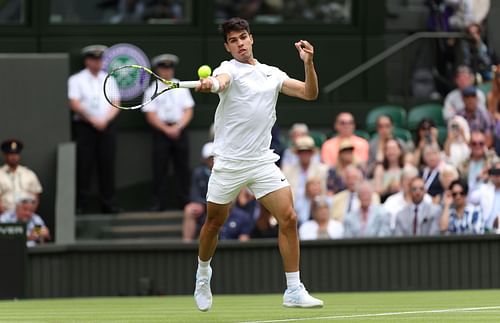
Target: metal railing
point(328, 89)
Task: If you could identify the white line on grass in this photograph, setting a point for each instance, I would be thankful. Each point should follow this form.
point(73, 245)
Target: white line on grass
point(336, 317)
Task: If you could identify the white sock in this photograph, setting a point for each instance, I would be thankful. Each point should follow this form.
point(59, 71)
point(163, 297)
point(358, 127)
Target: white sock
point(203, 267)
point(292, 280)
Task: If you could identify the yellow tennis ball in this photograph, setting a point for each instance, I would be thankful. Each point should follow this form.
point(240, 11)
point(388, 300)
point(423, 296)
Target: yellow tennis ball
point(204, 71)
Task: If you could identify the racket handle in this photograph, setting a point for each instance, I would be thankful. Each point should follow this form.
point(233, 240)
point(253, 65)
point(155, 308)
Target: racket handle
point(189, 84)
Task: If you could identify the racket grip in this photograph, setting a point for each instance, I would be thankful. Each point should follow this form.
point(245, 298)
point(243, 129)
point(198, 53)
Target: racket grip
point(189, 84)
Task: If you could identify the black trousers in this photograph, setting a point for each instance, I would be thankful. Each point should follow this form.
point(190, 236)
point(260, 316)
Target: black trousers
point(166, 150)
point(95, 149)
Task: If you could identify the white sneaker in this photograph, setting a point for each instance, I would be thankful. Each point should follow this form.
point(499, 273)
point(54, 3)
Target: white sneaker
point(202, 292)
point(299, 297)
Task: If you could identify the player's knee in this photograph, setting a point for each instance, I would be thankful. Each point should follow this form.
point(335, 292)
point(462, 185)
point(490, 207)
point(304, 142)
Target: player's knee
point(288, 219)
point(214, 224)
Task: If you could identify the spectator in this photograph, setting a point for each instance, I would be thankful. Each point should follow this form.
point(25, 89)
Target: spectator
point(16, 179)
point(456, 146)
point(430, 172)
point(377, 142)
point(195, 210)
point(447, 174)
point(474, 170)
point(419, 218)
point(239, 223)
point(454, 103)
point(303, 206)
point(336, 175)
point(169, 115)
point(321, 226)
point(24, 212)
point(369, 220)
point(387, 174)
point(297, 175)
point(427, 135)
point(266, 225)
point(487, 196)
point(347, 200)
point(94, 131)
point(477, 55)
point(344, 125)
point(494, 106)
point(477, 119)
point(396, 202)
point(460, 217)
point(290, 157)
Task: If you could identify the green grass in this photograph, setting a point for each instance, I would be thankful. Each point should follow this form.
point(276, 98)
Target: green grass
point(339, 307)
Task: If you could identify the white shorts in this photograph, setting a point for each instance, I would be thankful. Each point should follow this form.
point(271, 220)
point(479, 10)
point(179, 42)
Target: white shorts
point(226, 180)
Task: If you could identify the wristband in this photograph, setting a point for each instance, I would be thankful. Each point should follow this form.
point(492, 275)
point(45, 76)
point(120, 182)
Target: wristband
point(215, 84)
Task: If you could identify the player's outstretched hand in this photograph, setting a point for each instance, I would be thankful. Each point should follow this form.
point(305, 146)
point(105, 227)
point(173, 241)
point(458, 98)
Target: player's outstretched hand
point(306, 50)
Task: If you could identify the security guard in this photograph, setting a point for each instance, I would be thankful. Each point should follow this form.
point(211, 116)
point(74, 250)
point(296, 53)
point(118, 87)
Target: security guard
point(93, 130)
point(168, 116)
point(16, 179)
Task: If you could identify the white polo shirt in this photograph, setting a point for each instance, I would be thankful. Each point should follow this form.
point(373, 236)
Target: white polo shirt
point(169, 106)
point(247, 111)
point(88, 90)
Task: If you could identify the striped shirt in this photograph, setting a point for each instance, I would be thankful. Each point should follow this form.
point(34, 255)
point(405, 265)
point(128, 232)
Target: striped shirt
point(470, 223)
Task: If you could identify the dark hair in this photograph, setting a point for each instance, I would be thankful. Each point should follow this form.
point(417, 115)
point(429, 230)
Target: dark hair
point(460, 183)
point(384, 116)
point(233, 24)
point(427, 122)
point(401, 160)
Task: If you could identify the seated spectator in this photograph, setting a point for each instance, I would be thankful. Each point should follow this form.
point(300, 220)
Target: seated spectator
point(377, 142)
point(430, 172)
point(303, 206)
point(494, 106)
point(476, 54)
point(478, 119)
point(458, 216)
point(387, 175)
point(474, 170)
point(335, 181)
point(454, 103)
point(297, 175)
point(396, 202)
point(347, 200)
point(456, 146)
point(24, 212)
point(321, 226)
point(16, 179)
point(369, 220)
point(344, 125)
point(487, 196)
point(447, 174)
point(239, 223)
point(290, 157)
point(195, 210)
point(427, 135)
point(266, 225)
point(420, 218)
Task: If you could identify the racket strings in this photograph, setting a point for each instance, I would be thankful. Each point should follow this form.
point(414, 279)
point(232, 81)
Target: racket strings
point(128, 87)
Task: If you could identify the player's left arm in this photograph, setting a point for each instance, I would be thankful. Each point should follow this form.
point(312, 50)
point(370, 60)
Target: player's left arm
point(307, 90)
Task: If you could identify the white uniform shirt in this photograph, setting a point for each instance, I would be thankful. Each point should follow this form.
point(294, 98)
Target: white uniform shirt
point(88, 90)
point(13, 183)
point(247, 111)
point(169, 106)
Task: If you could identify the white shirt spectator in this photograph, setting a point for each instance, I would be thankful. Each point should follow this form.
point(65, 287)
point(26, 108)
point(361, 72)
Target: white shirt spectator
point(310, 230)
point(454, 103)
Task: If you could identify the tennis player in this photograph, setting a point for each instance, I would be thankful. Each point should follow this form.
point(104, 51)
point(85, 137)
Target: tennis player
point(248, 91)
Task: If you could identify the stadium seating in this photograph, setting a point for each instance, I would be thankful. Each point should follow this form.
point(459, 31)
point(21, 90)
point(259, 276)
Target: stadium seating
point(319, 137)
point(485, 87)
point(432, 111)
point(396, 112)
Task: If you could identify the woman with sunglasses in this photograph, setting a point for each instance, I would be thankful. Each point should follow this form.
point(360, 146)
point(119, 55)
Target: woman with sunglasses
point(459, 216)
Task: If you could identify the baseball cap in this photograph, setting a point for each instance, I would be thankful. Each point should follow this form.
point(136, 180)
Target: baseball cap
point(469, 91)
point(304, 143)
point(345, 144)
point(24, 197)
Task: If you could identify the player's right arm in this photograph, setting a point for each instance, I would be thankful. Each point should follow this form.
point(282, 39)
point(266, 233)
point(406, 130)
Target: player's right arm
point(214, 84)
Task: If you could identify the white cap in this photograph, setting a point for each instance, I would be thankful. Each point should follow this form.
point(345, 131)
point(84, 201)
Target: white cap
point(24, 197)
point(168, 60)
point(207, 150)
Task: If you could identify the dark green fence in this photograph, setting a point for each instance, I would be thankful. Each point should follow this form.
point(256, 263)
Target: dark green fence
point(140, 268)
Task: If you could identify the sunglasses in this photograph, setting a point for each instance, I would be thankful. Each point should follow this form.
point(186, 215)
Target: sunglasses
point(455, 194)
point(419, 188)
point(477, 143)
point(344, 122)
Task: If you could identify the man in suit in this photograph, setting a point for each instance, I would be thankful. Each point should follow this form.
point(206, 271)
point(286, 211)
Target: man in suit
point(347, 200)
point(430, 173)
point(419, 218)
point(369, 220)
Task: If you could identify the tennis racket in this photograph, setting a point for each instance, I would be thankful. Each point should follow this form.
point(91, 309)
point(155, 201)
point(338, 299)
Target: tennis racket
point(132, 87)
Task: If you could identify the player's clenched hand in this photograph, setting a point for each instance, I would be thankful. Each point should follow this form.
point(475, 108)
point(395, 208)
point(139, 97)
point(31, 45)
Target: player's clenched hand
point(306, 50)
point(205, 85)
